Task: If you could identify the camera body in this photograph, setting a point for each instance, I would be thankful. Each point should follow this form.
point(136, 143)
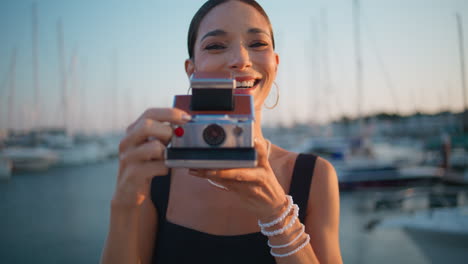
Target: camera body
point(214, 131)
point(220, 133)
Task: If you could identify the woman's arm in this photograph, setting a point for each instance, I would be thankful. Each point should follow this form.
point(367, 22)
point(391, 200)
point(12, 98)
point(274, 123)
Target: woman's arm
point(133, 217)
point(321, 223)
point(131, 234)
point(323, 213)
point(147, 231)
point(261, 192)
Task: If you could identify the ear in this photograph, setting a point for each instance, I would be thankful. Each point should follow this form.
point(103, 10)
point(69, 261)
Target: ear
point(189, 67)
point(277, 61)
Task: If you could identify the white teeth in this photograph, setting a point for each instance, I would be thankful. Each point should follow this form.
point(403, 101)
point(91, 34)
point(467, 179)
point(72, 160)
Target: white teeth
point(245, 84)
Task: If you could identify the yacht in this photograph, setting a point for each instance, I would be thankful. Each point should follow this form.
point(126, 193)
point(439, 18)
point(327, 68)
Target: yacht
point(30, 158)
point(450, 223)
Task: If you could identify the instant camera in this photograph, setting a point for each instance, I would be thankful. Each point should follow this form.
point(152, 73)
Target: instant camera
point(220, 134)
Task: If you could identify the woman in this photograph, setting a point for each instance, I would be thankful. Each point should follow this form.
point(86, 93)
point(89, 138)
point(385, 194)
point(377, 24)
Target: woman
point(240, 215)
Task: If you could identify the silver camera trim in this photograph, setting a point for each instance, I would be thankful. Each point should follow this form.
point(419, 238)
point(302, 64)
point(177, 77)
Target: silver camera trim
point(213, 83)
point(193, 134)
point(212, 164)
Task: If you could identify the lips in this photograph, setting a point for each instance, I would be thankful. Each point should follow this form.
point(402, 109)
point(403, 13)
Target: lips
point(246, 84)
point(244, 91)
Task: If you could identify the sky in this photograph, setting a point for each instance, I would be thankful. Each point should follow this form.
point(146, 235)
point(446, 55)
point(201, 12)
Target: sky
point(122, 57)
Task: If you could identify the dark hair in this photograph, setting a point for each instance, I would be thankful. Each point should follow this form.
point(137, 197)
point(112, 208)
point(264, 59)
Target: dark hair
point(205, 9)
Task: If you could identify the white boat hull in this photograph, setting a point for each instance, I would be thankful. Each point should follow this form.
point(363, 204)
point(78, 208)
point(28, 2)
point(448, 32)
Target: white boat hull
point(31, 159)
point(448, 221)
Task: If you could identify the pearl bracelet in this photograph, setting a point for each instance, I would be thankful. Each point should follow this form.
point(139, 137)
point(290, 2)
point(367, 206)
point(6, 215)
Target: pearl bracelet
point(291, 242)
point(281, 230)
point(291, 252)
point(281, 217)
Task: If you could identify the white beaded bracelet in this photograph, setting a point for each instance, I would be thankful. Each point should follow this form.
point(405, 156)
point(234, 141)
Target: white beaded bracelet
point(291, 252)
point(291, 242)
point(281, 217)
point(281, 230)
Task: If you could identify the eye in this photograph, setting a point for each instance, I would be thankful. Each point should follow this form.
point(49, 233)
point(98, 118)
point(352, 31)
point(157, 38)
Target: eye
point(215, 47)
point(258, 44)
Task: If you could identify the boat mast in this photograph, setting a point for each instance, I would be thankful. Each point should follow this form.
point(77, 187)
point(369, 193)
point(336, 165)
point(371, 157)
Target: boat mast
point(115, 91)
point(358, 57)
point(72, 79)
point(315, 71)
point(11, 96)
point(326, 84)
point(462, 70)
point(83, 105)
point(35, 64)
point(62, 71)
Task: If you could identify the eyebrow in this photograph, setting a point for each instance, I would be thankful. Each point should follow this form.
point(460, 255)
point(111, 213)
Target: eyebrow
point(220, 32)
point(257, 31)
point(214, 33)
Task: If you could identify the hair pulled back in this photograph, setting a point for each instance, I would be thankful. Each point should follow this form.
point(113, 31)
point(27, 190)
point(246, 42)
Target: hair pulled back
point(205, 9)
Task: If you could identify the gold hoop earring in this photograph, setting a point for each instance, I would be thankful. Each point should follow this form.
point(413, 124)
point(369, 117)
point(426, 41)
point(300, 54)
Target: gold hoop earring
point(277, 98)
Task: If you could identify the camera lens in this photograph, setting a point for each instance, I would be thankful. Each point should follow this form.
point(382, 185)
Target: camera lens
point(214, 135)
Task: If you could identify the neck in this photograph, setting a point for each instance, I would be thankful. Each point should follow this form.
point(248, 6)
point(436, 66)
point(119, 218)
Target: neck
point(258, 125)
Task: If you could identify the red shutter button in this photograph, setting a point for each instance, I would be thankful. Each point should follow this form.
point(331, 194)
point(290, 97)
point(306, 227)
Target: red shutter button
point(179, 131)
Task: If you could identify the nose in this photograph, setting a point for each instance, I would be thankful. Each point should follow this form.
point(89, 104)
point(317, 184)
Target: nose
point(240, 58)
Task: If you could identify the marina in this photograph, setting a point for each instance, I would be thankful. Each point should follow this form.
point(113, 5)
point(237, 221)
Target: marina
point(395, 129)
point(61, 216)
point(402, 200)
point(399, 204)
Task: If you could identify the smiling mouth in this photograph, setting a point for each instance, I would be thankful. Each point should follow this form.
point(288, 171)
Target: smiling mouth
point(247, 84)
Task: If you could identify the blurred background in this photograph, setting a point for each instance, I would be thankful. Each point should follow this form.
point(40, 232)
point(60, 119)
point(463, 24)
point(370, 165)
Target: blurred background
point(376, 87)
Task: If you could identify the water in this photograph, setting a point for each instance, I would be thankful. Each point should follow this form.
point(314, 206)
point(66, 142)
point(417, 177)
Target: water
point(58, 216)
point(61, 216)
point(392, 245)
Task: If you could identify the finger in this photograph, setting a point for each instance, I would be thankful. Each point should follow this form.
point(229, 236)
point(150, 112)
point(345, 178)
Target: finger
point(233, 175)
point(150, 169)
point(145, 129)
point(171, 115)
point(262, 152)
point(223, 184)
point(153, 150)
point(148, 128)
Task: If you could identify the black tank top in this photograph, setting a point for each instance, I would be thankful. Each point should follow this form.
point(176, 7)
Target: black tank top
point(178, 244)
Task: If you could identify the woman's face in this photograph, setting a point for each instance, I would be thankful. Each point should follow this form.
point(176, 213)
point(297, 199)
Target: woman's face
point(235, 37)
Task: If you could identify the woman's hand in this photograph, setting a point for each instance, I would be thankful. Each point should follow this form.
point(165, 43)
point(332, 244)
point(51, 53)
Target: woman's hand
point(257, 187)
point(141, 154)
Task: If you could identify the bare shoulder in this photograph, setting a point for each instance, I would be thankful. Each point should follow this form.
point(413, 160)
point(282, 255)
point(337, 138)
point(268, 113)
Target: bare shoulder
point(324, 172)
point(324, 189)
point(323, 208)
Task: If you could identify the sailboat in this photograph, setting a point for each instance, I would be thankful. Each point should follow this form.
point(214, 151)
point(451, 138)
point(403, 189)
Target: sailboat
point(26, 156)
point(72, 150)
point(445, 222)
point(352, 158)
point(361, 162)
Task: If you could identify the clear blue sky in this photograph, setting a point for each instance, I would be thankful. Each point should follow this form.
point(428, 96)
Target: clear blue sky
point(411, 45)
